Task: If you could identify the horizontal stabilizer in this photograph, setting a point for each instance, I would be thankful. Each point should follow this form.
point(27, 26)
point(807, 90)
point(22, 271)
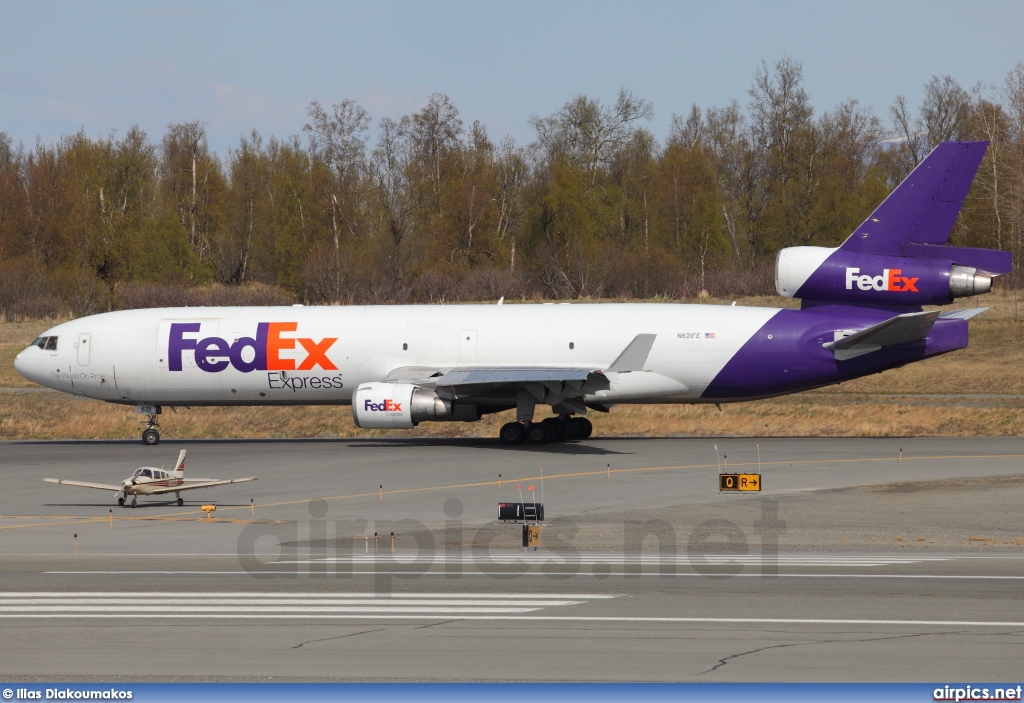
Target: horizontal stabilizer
point(908, 327)
point(634, 356)
point(992, 262)
point(962, 314)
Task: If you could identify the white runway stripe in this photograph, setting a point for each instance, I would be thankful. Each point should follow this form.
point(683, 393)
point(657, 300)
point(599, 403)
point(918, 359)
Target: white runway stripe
point(154, 611)
point(311, 603)
point(584, 574)
point(619, 559)
point(274, 605)
point(563, 619)
point(278, 594)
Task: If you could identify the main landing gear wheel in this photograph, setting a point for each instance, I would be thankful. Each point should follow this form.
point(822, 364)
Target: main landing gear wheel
point(538, 433)
point(181, 501)
point(558, 427)
point(579, 427)
point(512, 433)
point(120, 501)
point(150, 437)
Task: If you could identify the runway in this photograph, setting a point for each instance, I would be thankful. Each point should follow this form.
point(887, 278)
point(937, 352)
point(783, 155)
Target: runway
point(858, 562)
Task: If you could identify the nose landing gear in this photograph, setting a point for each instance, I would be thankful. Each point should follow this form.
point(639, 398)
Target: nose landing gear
point(150, 435)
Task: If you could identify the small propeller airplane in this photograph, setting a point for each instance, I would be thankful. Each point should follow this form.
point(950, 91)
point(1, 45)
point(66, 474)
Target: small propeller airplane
point(150, 481)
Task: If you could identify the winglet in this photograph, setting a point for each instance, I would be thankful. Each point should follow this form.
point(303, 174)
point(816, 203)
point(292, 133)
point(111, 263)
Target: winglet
point(634, 356)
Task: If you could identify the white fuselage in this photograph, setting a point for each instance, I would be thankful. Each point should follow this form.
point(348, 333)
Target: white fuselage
point(129, 356)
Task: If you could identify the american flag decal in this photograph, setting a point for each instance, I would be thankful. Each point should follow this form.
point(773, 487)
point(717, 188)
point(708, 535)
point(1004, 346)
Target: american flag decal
point(709, 335)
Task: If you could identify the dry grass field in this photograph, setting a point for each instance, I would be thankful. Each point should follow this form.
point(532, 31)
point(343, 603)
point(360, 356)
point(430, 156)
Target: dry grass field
point(977, 391)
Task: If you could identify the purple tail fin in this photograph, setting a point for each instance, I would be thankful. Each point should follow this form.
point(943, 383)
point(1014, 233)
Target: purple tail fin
point(923, 208)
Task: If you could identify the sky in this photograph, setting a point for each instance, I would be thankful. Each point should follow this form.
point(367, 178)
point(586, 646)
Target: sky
point(103, 67)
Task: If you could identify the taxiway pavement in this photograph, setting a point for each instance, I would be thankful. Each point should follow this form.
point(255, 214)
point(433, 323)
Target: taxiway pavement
point(850, 565)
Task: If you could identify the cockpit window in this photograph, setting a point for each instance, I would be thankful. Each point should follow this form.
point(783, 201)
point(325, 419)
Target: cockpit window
point(138, 472)
point(48, 343)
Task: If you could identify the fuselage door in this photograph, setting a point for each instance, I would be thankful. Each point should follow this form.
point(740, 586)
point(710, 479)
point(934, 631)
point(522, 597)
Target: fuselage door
point(84, 342)
point(467, 347)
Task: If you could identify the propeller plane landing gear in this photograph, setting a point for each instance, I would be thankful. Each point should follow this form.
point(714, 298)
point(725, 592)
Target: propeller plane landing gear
point(134, 502)
point(120, 501)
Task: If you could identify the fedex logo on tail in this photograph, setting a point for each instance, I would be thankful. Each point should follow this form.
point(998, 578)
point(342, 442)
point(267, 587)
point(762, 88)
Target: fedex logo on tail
point(889, 280)
point(215, 354)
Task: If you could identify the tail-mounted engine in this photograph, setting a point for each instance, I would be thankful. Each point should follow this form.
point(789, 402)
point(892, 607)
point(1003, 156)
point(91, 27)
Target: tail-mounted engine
point(898, 255)
point(924, 275)
point(397, 406)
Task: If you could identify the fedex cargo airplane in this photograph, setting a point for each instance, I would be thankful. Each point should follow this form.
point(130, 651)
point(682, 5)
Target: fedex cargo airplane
point(397, 366)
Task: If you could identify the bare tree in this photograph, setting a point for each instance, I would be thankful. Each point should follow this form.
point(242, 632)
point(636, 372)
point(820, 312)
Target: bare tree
point(390, 173)
point(189, 175)
point(779, 107)
point(687, 131)
point(339, 137)
point(945, 110)
point(512, 176)
point(434, 133)
point(589, 132)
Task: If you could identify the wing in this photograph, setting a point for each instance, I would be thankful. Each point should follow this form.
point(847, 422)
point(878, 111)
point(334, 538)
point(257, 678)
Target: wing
point(908, 327)
point(208, 484)
point(83, 484)
point(561, 387)
point(501, 386)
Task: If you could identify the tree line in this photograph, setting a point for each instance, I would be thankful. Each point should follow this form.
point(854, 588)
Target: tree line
point(429, 208)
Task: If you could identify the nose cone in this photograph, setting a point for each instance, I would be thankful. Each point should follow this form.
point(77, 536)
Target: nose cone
point(22, 364)
point(30, 364)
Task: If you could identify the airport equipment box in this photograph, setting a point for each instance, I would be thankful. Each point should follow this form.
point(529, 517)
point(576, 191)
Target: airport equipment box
point(518, 512)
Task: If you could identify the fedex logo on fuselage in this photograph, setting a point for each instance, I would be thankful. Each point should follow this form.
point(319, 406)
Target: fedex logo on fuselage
point(388, 405)
point(215, 354)
point(889, 280)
